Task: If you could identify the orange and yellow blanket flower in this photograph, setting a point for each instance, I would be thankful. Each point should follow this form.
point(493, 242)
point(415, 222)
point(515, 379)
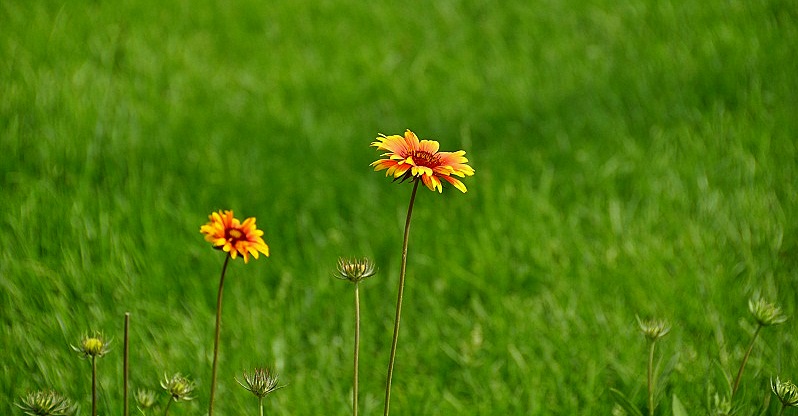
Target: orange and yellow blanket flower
point(228, 234)
point(408, 157)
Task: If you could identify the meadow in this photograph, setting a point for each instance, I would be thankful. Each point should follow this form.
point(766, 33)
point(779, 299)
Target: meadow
point(632, 158)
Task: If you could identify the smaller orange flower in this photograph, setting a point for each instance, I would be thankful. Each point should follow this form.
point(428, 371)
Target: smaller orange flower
point(408, 157)
point(228, 234)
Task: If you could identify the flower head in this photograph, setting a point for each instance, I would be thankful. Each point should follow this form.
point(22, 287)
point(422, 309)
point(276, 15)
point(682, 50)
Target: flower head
point(92, 346)
point(228, 234)
point(653, 329)
point(145, 398)
point(766, 313)
point(46, 403)
point(260, 383)
point(178, 387)
point(786, 391)
point(407, 157)
point(355, 270)
point(721, 405)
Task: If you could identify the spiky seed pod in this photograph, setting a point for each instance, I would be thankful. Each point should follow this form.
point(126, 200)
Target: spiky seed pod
point(786, 391)
point(178, 387)
point(145, 398)
point(46, 403)
point(355, 270)
point(654, 329)
point(92, 346)
point(766, 313)
point(260, 382)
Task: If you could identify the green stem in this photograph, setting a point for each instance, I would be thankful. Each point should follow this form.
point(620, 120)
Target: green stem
point(216, 334)
point(357, 349)
point(260, 405)
point(651, 378)
point(166, 410)
point(745, 360)
point(399, 300)
point(781, 412)
point(94, 386)
point(126, 364)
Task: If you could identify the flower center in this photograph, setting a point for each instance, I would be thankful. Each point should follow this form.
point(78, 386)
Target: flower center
point(354, 269)
point(92, 346)
point(234, 234)
point(425, 158)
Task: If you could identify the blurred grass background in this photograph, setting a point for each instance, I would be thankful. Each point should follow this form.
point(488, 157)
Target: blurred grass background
point(632, 158)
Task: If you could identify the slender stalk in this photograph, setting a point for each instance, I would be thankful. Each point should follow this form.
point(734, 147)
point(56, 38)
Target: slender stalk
point(399, 300)
point(357, 349)
point(126, 364)
point(651, 378)
point(745, 360)
point(260, 405)
point(94, 386)
point(166, 410)
point(216, 334)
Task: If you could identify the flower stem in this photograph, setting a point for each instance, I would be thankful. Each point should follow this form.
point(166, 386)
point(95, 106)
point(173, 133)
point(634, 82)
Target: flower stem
point(216, 334)
point(166, 410)
point(745, 360)
point(781, 412)
point(126, 364)
point(94, 386)
point(260, 405)
point(399, 300)
point(651, 378)
point(357, 349)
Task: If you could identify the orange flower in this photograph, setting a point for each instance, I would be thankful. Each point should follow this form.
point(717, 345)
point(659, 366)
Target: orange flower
point(234, 237)
point(408, 157)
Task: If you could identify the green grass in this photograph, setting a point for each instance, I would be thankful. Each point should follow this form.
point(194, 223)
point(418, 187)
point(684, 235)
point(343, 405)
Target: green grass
point(632, 158)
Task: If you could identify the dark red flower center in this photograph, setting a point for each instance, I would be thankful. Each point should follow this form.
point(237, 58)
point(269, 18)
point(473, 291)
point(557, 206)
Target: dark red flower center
point(425, 158)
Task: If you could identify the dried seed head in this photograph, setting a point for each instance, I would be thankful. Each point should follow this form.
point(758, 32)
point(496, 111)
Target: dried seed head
point(179, 387)
point(145, 398)
point(46, 403)
point(766, 313)
point(355, 270)
point(260, 382)
point(721, 405)
point(786, 391)
point(653, 329)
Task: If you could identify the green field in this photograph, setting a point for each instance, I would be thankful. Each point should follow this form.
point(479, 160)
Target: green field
point(632, 158)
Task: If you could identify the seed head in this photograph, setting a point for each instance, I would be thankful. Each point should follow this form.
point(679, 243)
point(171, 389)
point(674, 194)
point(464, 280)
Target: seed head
point(179, 387)
point(92, 346)
point(145, 398)
point(766, 313)
point(722, 405)
point(785, 391)
point(355, 270)
point(260, 382)
point(46, 403)
point(654, 329)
